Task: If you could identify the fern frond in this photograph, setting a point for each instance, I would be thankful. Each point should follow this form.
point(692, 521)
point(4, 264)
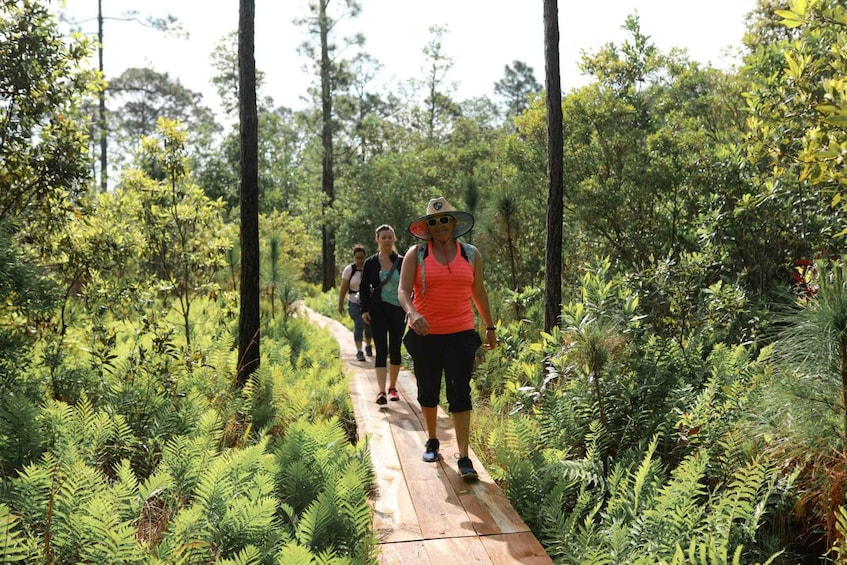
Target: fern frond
point(295, 554)
point(20, 438)
point(188, 539)
point(104, 538)
point(250, 555)
point(737, 510)
point(12, 547)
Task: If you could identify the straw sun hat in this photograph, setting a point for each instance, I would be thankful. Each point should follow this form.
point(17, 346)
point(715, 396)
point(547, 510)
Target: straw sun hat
point(438, 207)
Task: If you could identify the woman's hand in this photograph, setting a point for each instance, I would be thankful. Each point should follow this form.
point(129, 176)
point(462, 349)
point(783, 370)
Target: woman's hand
point(366, 317)
point(340, 308)
point(490, 339)
point(418, 323)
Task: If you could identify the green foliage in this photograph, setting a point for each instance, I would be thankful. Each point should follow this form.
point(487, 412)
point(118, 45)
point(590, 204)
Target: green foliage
point(795, 140)
point(811, 83)
point(285, 259)
point(12, 548)
point(671, 473)
point(517, 465)
point(43, 154)
point(838, 547)
point(324, 480)
point(27, 300)
point(644, 515)
point(186, 476)
point(21, 440)
point(232, 505)
point(300, 379)
point(84, 517)
point(635, 143)
point(185, 236)
point(803, 417)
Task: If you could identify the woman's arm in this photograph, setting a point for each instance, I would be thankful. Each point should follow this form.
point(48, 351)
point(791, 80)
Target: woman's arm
point(365, 286)
point(480, 299)
point(404, 292)
point(407, 279)
point(342, 293)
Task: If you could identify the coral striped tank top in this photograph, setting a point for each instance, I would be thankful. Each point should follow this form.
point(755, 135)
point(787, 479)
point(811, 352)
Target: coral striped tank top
point(446, 305)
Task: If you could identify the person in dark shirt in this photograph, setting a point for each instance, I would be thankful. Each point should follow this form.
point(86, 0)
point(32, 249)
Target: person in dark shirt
point(381, 309)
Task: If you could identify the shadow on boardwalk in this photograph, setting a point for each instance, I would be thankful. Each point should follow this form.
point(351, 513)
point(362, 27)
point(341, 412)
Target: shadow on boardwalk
point(424, 512)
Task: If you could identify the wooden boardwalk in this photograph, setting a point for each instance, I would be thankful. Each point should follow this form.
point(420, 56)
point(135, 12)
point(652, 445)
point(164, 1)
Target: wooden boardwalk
point(423, 512)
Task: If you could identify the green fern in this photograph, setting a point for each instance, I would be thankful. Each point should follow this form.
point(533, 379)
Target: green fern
point(104, 538)
point(12, 548)
point(188, 538)
point(235, 493)
point(838, 550)
point(250, 555)
point(295, 554)
point(325, 480)
point(20, 438)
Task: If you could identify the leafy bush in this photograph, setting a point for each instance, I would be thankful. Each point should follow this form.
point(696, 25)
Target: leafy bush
point(169, 458)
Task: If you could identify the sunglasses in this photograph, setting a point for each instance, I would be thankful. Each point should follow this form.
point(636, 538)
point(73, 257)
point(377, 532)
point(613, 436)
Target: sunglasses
point(432, 222)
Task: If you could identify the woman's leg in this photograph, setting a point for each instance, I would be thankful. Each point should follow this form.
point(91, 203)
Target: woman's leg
point(459, 352)
point(355, 312)
point(462, 426)
point(397, 325)
point(427, 367)
point(379, 328)
point(368, 338)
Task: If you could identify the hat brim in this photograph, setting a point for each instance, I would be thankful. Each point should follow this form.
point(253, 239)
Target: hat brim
point(464, 224)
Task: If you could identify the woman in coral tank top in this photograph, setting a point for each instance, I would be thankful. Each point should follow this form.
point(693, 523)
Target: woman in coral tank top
point(440, 279)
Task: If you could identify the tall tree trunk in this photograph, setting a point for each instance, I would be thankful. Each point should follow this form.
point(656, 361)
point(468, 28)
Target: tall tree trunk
point(327, 175)
point(104, 133)
point(555, 166)
point(842, 358)
point(248, 321)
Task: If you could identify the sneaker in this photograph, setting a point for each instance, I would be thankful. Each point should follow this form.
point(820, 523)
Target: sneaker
point(392, 394)
point(360, 356)
point(369, 351)
point(380, 399)
point(466, 470)
point(431, 451)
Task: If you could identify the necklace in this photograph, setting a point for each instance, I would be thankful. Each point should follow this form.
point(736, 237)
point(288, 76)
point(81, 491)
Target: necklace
point(446, 257)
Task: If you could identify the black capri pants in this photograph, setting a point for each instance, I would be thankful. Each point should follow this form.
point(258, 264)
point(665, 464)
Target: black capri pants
point(387, 324)
point(449, 354)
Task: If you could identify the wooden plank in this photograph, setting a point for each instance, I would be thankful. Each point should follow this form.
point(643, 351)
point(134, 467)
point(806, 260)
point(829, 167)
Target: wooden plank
point(519, 549)
point(467, 549)
point(395, 518)
point(439, 511)
point(411, 553)
point(457, 550)
point(484, 501)
point(506, 549)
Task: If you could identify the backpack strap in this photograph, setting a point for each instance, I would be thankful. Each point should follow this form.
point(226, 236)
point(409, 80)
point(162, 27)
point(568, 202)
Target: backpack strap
point(397, 259)
point(353, 270)
point(423, 250)
point(468, 253)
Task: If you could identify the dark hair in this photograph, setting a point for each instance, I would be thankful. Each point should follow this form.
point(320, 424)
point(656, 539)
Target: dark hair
point(383, 227)
point(359, 247)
